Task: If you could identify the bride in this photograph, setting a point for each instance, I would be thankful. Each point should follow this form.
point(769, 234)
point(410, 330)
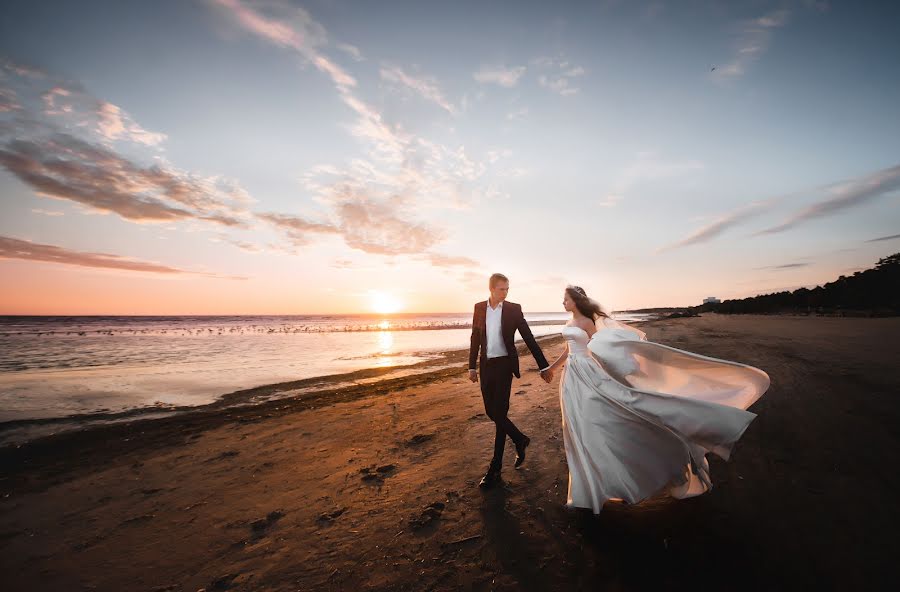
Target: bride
point(639, 417)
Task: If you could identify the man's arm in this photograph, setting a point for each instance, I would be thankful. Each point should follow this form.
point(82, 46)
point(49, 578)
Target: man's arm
point(525, 332)
point(474, 345)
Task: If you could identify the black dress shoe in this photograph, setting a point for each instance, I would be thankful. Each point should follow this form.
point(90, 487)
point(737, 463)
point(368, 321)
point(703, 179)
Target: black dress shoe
point(490, 478)
point(520, 451)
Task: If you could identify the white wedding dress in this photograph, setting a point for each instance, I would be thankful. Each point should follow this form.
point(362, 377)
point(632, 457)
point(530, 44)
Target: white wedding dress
point(639, 417)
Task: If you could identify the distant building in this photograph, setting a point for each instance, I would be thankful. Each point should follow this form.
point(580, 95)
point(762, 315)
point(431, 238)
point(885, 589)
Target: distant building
point(711, 300)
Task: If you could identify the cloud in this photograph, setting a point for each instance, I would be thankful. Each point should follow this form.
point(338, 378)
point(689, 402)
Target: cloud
point(13, 248)
point(559, 75)
point(754, 40)
point(785, 266)
point(439, 260)
point(506, 77)
point(23, 70)
point(9, 100)
point(61, 166)
point(776, 18)
point(296, 228)
point(114, 124)
point(883, 238)
point(718, 226)
point(47, 212)
point(243, 245)
point(352, 51)
point(289, 27)
point(855, 192)
point(559, 84)
point(378, 228)
point(77, 108)
point(427, 88)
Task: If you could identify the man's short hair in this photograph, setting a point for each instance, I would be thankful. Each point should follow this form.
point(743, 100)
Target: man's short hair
point(497, 278)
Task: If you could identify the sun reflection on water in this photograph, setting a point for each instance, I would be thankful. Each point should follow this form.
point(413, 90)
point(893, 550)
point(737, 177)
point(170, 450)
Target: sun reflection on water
point(385, 345)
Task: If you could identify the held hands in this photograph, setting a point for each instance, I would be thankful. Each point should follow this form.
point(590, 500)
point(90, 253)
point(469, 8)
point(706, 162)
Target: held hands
point(547, 375)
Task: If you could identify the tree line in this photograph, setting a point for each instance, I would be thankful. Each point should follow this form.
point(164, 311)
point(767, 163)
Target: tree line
point(872, 292)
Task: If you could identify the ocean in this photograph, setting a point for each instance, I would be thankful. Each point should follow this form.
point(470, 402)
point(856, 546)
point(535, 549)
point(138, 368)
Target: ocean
point(65, 367)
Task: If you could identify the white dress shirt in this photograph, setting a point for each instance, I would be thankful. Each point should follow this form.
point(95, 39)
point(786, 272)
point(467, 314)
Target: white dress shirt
point(495, 346)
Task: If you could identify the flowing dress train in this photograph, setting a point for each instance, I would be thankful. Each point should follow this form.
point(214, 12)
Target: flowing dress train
point(639, 417)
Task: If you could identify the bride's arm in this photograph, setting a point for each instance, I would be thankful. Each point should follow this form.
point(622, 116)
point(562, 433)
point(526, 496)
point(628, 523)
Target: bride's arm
point(560, 360)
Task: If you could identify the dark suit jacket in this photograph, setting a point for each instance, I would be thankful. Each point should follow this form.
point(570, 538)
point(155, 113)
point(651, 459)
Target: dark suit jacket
point(511, 318)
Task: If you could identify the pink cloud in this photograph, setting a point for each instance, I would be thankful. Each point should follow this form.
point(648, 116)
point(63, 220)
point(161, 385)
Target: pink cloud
point(13, 248)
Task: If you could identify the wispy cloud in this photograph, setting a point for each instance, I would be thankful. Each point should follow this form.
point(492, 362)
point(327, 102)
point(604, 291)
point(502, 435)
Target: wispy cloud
point(47, 212)
point(506, 77)
point(440, 260)
point(72, 106)
point(754, 40)
point(342, 264)
point(883, 238)
point(558, 75)
point(784, 266)
point(23, 70)
point(297, 228)
point(9, 100)
point(853, 193)
point(720, 225)
point(287, 26)
point(352, 51)
point(13, 248)
point(243, 245)
point(113, 123)
point(426, 87)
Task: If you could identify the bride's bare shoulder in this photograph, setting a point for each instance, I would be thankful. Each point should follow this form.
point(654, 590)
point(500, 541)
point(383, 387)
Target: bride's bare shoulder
point(586, 325)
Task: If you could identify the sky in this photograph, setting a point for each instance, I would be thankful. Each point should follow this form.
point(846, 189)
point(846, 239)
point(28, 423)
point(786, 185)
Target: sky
point(337, 156)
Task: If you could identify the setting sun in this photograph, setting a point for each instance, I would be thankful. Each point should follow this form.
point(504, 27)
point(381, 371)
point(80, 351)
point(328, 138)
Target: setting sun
point(385, 303)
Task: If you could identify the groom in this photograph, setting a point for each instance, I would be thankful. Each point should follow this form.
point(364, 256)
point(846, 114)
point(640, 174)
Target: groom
point(494, 325)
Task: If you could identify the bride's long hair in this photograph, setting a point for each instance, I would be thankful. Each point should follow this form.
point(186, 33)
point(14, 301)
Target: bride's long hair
point(586, 306)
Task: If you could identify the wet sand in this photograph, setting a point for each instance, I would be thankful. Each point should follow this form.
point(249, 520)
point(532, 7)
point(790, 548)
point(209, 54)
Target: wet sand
point(374, 487)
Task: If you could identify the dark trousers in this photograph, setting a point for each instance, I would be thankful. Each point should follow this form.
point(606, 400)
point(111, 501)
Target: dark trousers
point(496, 382)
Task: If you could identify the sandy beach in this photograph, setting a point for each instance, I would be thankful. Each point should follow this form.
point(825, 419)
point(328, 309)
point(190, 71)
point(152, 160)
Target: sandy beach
point(375, 487)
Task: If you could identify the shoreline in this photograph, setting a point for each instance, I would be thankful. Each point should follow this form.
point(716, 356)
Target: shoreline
point(317, 389)
point(302, 395)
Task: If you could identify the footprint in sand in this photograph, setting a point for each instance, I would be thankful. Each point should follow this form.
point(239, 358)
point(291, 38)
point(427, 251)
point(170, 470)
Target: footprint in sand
point(429, 514)
point(419, 439)
point(329, 517)
point(226, 454)
point(376, 475)
point(261, 525)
